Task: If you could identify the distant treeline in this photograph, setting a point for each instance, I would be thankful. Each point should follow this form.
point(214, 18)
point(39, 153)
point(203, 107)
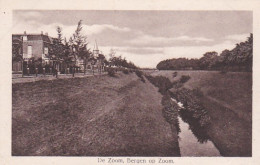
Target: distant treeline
point(238, 59)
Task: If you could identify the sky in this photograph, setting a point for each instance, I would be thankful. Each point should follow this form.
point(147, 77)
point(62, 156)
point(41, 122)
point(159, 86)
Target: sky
point(144, 37)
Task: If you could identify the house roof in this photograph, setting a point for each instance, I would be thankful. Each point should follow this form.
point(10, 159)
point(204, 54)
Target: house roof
point(16, 37)
point(33, 37)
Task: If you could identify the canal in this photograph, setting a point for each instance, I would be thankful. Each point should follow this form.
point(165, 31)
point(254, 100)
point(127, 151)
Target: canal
point(193, 140)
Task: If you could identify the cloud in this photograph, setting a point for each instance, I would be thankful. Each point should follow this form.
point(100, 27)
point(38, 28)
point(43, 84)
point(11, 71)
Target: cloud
point(196, 39)
point(238, 37)
point(26, 17)
point(151, 56)
point(29, 14)
point(95, 29)
point(144, 50)
point(197, 51)
point(107, 34)
point(137, 46)
point(67, 30)
point(149, 40)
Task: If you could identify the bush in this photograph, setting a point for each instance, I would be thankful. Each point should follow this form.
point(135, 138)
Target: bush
point(191, 102)
point(177, 84)
point(111, 72)
point(163, 83)
point(184, 78)
point(140, 75)
point(143, 80)
point(125, 71)
point(174, 74)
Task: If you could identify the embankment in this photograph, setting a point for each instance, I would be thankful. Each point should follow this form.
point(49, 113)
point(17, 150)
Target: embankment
point(227, 100)
point(95, 116)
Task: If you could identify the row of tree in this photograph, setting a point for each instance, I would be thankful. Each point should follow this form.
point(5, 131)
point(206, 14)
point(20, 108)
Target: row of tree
point(76, 47)
point(118, 61)
point(67, 52)
point(238, 59)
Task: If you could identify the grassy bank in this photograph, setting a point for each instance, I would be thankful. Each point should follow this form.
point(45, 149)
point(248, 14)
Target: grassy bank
point(228, 100)
point(95, 116)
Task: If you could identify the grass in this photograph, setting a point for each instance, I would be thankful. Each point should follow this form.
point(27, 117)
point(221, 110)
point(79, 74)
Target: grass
point(140, 75)
point(233, 89)
point(228, 101)
point(94, 116)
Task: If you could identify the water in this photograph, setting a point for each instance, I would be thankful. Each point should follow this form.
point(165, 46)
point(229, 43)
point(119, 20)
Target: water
point(190, 145)
point(193, 140)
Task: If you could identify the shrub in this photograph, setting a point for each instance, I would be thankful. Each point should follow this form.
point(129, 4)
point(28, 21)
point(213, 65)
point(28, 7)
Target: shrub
point(176, 84)
point(125, 71)
point(174, 74)
point(184, 78)
point(163, 83)
point(140, 75)
point(111, 72)
point(193, 105)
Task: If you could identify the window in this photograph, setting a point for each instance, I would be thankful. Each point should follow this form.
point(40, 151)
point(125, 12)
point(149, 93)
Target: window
point(46, 50)
point(29, 51)
point(25, 38)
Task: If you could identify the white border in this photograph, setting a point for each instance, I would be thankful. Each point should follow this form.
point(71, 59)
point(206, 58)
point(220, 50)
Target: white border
point(6, 8)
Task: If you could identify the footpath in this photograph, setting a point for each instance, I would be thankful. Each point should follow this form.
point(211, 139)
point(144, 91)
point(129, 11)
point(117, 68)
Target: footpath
point(17, 78)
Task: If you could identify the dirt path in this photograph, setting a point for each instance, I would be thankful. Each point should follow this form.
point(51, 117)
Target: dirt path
point(19, 79)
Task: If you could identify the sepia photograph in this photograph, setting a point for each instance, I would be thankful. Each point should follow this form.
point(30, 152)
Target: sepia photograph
point(132, 83)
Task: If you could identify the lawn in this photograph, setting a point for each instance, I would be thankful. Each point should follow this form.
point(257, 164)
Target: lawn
point(93, 116)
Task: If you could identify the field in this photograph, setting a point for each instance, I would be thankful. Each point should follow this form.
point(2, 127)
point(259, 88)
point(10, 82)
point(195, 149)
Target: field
point(228, 99)
point(94, 116)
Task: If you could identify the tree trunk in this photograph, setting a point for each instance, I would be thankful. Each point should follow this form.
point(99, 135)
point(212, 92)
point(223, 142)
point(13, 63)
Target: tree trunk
point(22, 68)
point(73, 71)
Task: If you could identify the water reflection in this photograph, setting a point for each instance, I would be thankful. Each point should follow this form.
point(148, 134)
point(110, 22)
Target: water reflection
point(189, 145)
point(193, 137)
point(231, 135)
point(194, 125)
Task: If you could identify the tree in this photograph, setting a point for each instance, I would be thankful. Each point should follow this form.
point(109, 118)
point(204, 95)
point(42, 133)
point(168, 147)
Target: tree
point(84, 54)
point(17, 56)
point(112, 58)
point(208, 60)
point(238, 59)
point(57, 50)
point(78, 42)
point(119, 61)
point(16, 50)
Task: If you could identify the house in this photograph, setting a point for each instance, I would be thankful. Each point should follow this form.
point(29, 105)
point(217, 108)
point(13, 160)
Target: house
point(31, 47)
point(34, 45)
point(38, 47)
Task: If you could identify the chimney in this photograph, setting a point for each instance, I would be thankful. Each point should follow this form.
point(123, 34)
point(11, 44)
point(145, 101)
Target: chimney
point(46, 34)
point(41, 32)
point(24, 32)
